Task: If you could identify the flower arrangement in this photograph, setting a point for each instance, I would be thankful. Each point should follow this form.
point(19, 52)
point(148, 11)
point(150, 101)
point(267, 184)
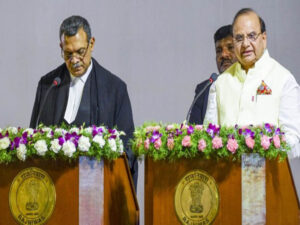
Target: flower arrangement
point(175, 141)
point(59, 142)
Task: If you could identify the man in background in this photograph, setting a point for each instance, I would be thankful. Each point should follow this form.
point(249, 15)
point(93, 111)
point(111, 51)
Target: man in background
point(88, 93)
point(225, 57)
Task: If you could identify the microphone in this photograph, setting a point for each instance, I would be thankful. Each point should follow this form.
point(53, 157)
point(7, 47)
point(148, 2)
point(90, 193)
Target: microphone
point(213, 77)
point(56, 82)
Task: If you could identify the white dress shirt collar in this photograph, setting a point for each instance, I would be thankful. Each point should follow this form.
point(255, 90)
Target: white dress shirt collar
point(83, 77)
point(257, 68)
point(75, 94)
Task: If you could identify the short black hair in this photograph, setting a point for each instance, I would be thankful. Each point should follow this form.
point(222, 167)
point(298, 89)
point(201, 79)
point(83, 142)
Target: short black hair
point(249, 10)
point(72, 24)
point(223, 32)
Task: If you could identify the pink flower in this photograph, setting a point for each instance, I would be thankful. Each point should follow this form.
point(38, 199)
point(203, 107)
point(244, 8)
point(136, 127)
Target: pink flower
point(170, 143)
point(283, 138)
point(276, 141)
point(156, 128)
point(250, 142)
point(147, 143)
point(170, 127)
point(198, 127)
point(186, 141)
point(149, 129)
point(201, 145)
point(217, 142)
point(157, 143)
point(232, 145)
point(265, 142)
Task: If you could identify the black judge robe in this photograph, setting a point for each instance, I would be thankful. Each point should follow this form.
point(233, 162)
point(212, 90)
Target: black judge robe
point(105, 101)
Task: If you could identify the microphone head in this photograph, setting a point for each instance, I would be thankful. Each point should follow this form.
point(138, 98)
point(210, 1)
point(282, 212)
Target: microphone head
point(213, 77)
point(56, 81)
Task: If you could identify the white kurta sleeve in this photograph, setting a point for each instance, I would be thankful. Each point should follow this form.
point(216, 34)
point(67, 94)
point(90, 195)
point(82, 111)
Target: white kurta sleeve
point(289, 115)
point(211, 115)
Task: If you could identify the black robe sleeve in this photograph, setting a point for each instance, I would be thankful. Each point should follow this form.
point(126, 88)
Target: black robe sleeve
point(124, 122)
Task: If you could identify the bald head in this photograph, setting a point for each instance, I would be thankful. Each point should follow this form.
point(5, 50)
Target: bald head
point(249, 10)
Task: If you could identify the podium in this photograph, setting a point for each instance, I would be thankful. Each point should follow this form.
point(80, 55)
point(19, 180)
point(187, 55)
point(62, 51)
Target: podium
point(162, 177)
point(117, 195)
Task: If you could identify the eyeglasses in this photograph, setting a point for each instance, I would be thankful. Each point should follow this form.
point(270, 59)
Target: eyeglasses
point(79, 54)
point(239, 38)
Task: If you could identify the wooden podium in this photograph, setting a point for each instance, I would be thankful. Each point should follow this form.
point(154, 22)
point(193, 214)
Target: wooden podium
point(161, 178)
point(119, 200)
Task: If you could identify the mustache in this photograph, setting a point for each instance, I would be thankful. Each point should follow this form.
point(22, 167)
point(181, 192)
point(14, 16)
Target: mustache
point(76, 65)
point(225, 60)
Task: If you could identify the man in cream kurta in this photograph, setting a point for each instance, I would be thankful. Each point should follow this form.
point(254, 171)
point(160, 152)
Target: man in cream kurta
point(237, 98)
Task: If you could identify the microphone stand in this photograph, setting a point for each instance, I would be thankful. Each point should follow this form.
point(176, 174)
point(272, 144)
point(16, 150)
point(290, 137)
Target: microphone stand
point(55, 83)
point(212, 78)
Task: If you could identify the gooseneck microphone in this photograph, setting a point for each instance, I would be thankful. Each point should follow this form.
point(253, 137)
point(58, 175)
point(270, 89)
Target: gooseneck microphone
point(213, 77)
point(56, 82)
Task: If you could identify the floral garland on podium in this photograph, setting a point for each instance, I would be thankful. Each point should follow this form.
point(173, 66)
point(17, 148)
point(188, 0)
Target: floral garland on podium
point(59, 142)
point(176, 141)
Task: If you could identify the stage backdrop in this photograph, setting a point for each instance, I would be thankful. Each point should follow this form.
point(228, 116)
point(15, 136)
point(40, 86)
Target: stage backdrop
point(161, 49)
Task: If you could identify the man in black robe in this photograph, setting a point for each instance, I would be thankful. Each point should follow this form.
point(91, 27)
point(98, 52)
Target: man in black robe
point(225, 57)
point(88, 93)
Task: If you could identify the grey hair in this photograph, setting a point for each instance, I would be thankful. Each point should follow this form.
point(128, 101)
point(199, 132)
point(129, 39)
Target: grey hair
point(72, 24)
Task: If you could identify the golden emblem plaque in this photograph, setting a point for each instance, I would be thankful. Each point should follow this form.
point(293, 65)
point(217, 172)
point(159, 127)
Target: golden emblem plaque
point(197, 199)
point(32, 197)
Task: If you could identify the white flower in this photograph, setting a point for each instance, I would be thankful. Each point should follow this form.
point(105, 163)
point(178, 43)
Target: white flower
point(103, 129)
point(12, 130)
point(84, 144)
point(46, 129)
point(74, 129)
point(112, 144)
point(99, 140)
point(49, 135)
point(41, 147)
point(29, 131)
point(68, 148)
point(121, 146)
point(117, 133)
point(60, 131)
point(88, 130)
point(55, 146)
point(4, 143)
point(21, 152)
